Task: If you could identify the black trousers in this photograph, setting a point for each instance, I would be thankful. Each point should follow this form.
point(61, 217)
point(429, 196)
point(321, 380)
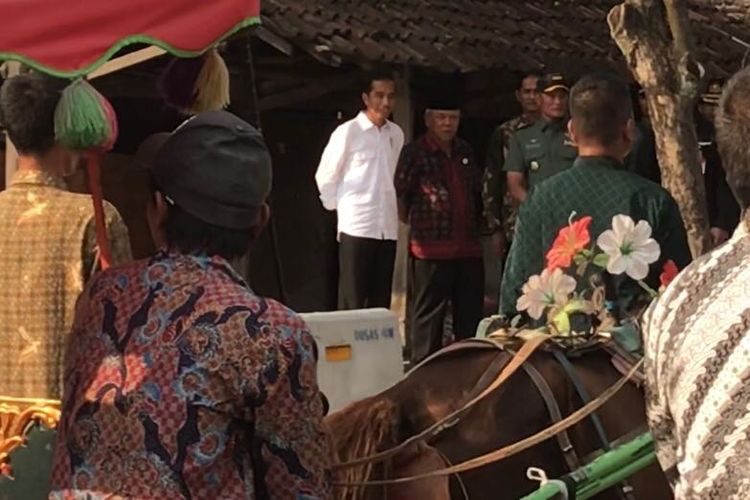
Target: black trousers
point(365, 272)
point(433, 284)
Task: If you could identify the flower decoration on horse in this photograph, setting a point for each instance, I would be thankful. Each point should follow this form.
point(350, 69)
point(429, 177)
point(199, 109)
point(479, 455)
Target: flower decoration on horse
point(574, 312)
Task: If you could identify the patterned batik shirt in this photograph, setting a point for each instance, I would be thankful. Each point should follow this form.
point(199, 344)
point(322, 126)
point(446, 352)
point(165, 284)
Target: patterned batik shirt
point(181, 383)
point(499, 207)
point(48, 251)
point(601, 188)
point(697, 344)
point(442, 195)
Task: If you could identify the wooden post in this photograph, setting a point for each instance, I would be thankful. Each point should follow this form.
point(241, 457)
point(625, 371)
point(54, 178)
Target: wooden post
point(11, 161)
point(403, 115)
point(11, 155)
point(654, 36)
point(126, 61)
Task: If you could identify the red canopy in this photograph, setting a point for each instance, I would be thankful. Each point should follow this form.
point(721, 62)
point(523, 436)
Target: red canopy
point(71, 38)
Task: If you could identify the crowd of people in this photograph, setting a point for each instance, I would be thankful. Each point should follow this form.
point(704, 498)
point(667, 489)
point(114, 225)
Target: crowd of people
point(179, 381)
point(452, 201)
point(589, 149)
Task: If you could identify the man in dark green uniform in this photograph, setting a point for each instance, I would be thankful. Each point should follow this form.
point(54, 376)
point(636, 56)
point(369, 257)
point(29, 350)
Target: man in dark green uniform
point(597, 185)
point(543, 149)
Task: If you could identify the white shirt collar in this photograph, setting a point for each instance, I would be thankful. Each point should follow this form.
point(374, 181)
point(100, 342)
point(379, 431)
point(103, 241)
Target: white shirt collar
point(366, 124)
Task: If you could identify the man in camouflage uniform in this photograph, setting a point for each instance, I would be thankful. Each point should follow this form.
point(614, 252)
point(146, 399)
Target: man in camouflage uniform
point(500, 208)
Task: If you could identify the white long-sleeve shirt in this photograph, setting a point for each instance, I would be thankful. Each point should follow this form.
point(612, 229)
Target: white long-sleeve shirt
point(355, 177)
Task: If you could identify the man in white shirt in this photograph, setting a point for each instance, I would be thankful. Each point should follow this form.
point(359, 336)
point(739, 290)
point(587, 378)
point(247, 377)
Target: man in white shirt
point(355, 178)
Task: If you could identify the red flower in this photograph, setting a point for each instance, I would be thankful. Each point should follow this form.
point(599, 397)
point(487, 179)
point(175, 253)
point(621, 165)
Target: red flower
point(668, 272)
point(570, 240)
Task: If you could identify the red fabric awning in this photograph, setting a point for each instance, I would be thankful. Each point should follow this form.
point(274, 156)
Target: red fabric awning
point(70, 38)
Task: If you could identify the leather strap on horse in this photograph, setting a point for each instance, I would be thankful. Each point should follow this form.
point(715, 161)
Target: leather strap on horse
point(625, 491)
point(523, 354)
point(519, 446)
point(570, 371)
point(563, 440)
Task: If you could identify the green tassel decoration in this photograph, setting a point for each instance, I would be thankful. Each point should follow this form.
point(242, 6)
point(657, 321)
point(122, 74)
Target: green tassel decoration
point(83, 118)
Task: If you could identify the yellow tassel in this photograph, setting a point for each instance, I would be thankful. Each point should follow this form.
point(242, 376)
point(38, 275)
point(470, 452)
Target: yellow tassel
point(212, 85)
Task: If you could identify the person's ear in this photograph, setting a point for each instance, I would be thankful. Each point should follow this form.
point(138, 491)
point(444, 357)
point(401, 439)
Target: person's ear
point(156, 216)
point(572, 132)
point(261, 221)
point(630, 131)
point(629, 137)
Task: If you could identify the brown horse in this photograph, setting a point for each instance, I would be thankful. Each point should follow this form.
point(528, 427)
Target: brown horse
point(514, 411)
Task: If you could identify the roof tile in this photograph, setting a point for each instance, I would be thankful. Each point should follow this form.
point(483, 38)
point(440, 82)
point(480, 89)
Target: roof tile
point(514, 34)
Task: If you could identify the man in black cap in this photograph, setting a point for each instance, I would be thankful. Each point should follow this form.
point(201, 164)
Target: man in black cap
point(723, 210)
point(439, 192)
point(181, 382)
point(543, 149)
point(642, 157)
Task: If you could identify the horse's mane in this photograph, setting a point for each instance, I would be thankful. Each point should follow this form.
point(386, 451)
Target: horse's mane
point(360, 430)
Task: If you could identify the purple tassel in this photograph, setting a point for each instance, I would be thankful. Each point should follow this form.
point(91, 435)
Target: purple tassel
point(177, 82)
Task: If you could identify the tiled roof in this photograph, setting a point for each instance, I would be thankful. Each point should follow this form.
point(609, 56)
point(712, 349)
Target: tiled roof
point(470, 35)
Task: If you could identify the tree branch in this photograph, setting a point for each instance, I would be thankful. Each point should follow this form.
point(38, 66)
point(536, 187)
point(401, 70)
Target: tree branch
point(677, 19)
point(655, 39)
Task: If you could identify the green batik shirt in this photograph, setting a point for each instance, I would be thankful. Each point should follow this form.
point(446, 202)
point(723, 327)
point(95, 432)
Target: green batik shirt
point(599, 187)
point(541, 151)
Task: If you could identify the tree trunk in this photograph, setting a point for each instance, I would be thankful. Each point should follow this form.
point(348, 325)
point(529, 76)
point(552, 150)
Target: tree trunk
point(655, 39)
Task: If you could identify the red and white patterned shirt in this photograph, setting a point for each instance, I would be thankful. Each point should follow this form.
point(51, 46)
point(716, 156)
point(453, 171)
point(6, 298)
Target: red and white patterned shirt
point(180, 382)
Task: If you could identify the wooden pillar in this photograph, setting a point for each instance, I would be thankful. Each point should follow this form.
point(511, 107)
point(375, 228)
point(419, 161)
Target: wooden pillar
point(655, 38)
point(11, 155)
point(11, 160)
point(403, 115)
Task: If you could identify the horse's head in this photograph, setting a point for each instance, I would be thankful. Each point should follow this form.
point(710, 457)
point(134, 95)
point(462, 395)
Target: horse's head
point(360, 430)
point(374, 425)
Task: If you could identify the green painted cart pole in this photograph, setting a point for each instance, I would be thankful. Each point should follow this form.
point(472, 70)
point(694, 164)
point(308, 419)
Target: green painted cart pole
point(605, 471)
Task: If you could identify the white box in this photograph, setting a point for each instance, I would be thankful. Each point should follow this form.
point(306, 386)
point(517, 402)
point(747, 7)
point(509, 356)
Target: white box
point(359, 353)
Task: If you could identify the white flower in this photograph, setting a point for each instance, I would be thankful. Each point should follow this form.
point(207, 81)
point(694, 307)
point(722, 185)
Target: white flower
point(629, 246)
point(545, 290)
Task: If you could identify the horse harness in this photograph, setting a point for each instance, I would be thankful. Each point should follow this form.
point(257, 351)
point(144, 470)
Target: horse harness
point(625, 491)
point(545, 391)
point(498, 371)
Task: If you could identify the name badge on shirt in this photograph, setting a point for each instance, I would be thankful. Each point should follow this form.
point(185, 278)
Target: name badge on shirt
point(534, 166)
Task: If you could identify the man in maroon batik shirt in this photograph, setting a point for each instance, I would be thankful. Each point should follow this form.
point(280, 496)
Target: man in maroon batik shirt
point(439, 191)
